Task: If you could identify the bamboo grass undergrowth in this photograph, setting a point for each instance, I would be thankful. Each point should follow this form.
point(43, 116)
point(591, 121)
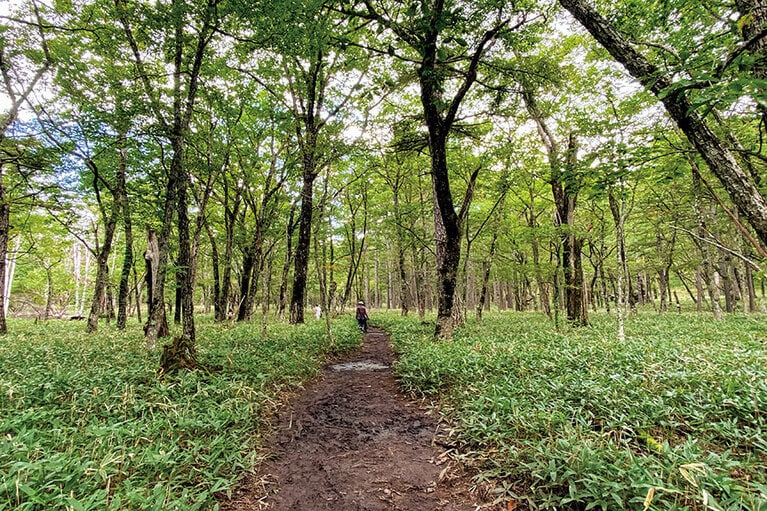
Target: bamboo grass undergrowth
point(674, 418)
point(87, 424)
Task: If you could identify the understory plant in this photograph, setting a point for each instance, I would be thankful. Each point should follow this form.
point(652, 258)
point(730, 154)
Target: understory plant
point(86, 422)
point(674, 418)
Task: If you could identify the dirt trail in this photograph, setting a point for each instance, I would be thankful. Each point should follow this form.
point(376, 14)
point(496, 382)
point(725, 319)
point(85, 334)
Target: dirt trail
point(352, 442)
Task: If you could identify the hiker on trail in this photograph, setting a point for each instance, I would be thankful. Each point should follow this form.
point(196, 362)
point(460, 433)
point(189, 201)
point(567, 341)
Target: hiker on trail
point(362, 316)
point(317, 311)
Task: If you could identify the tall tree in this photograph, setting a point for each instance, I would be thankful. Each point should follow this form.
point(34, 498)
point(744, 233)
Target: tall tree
point(393, 173)
point(447, 42)
point(316, 76)
point(187, 55)
point(565, 186)
point(264, 183)
point(675, 98)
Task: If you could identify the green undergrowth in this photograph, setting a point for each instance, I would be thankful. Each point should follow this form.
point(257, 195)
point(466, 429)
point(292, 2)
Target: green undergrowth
point(674, 418)
point(87, 424)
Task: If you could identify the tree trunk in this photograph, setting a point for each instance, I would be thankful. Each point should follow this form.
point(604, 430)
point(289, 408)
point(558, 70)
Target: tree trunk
point(102, 271)
point(447, 234)
point(258, 273)
point(565, 186)
point(185, 261)
point(137, 291)
point(565, 189)
point(298, 296)
point(752, 23)
point(185, 84)
point(603, 283)
point(219, 305)
point(663, 273)
point(248, 264)
point(320, 258)
point(543, 292)
point(486, 266)
point(404, 291)
point(121, 199)
point(177, 298)
point(109, 302)
point(265, 286)
point(157, 322)
point(291, 227)
point(727, 286)
point(440, 115)
point(753, 20)
point(617, 211)
point(154, 299)
point(749, 278)
point(708, 274)
point(5, 213)
point(124, 289)
point(355, 258)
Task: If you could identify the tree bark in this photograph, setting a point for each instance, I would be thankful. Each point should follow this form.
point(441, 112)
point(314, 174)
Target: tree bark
point(121, 202)
point(752, 23)
point(248, 263)
point(291, 227)
point(5, 214)
point(298, 295)
point(177, 306)
point(102, 260)
point(152, 261)
point(219, 308)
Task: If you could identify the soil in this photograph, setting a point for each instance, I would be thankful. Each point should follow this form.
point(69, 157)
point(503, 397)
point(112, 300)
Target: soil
point(351, 441)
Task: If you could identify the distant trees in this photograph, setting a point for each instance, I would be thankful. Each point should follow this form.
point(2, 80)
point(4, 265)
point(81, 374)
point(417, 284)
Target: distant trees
point(23, 69)
point(447, 45)
point(419, 155)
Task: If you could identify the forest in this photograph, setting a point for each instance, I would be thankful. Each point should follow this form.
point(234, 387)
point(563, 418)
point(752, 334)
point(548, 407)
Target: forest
point(182, 175)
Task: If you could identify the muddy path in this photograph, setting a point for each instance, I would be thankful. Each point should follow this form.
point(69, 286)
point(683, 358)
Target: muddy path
point(351, 441)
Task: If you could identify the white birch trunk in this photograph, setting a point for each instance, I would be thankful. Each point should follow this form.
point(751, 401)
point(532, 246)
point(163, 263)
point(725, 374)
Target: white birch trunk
point(10, 269)
point(81, 310)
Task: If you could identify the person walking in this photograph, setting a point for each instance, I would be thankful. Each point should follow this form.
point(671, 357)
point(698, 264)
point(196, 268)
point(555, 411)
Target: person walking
point(362, 316)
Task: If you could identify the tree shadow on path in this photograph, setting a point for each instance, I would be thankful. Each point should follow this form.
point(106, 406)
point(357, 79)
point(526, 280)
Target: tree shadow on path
point(351, 441)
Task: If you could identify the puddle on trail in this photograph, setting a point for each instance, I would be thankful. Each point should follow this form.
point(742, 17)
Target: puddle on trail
point(362, 365)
